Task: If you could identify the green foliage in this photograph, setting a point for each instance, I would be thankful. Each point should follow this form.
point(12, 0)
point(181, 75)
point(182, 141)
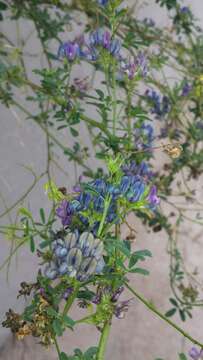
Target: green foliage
point(119, 112)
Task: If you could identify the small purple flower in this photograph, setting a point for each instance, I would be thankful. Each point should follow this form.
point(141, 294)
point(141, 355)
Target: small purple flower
point(135, 65)
point(142, 63)
point(115, 47)
point(129, 68)
point(117, 294)
point(195, 354)
point(67, 293)
point(81, 84)
point(106, 40)
point(64, 212)
point(102, 2)
point(184, 10)
point(122, 308)
point(70, 50)
point(152, 197)
point(186, 89)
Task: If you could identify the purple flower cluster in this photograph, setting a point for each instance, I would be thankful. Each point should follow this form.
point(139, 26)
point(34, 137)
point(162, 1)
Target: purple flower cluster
point(134, 66)
point(144, 136)
point(76, 255)
point(142, 170)
point(97, 41)
point(90, 49)
point(160, 106)
point(102, 38)
point(91, 200)
point(120, 308)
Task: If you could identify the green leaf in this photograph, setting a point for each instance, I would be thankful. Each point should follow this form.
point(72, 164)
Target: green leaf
point(74, 132)
point(32, 244)
point(140, 271)
point(3, 5)
point(63, 356)
point(25, 212)
point(139, 255)
point(89, 354)
point(173, 302)
point(182, 356)
point(42, 215)
point(100, 93)
point(171, 312)
point(68, 321)
point(44, 244)
point(182, 315)
point(133, 260)
point(57, 327)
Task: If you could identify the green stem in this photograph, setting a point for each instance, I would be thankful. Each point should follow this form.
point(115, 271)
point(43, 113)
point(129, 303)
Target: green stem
point(114, 101)
point(57, 347)
point(103, 341)
point(70, 301)
point(163, 317)
point(106, 206)
point(36, 179)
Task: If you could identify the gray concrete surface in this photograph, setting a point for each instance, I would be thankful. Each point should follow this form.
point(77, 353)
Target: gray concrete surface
point(141, 335)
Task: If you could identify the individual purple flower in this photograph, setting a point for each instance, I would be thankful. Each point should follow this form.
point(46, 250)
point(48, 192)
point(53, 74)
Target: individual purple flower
point(186, 89)
point(70, 50)
point(117, 294)
point(106, 40)
point(128, 68)
point(196, 354)
point(184, 10)
point(67, 293)
point(142, 63)
point(102, 2)
point(64, 212)
point(81, 85)
point(115, 47)
point(122, 308)
point(152, 197)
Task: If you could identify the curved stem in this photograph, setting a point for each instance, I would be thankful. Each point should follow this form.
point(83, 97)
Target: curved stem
point(103, 341)
point(163, 317)
point(9, 209)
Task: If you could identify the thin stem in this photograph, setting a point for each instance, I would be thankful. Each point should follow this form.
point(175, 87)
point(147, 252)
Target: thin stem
point(114, 101)
point(106, 206)
point(57, 347)
point(163, 317)
point(103, 341)
point(8, 210)
point(70, 301)
point(52, 137)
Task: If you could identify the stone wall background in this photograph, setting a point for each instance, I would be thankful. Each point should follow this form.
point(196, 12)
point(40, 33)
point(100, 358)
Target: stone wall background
point(141, 336)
